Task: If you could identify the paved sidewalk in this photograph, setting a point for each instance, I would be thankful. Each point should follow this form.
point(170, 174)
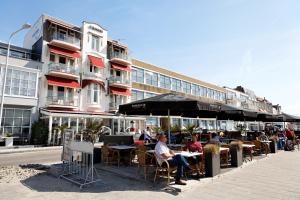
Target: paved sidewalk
point(4, 150)
point(275, 177)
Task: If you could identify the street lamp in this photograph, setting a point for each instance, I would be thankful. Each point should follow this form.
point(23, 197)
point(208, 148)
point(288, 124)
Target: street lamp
point(25, 26)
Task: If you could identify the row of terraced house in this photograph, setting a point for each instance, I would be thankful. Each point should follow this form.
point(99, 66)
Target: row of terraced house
point(67, 75)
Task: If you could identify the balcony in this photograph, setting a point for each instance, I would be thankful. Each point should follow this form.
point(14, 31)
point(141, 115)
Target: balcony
point(120, 58)
point(113, 106)
point(65, 41)
point(62, 70)
point(119, 82)
point(94, 76)
point(62, 102)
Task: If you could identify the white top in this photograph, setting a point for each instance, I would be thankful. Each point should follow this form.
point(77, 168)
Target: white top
point(122, 147)
point(189, 154)
point(248, 145)
point(161, 148)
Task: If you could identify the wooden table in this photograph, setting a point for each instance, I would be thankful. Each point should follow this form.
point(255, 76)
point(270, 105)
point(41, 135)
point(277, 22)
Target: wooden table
point(249, 147)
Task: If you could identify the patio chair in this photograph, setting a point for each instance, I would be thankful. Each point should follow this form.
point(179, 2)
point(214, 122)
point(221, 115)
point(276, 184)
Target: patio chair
point(224, 155)
point(144, 160)
point(164, 168)
point(248, 151)
point(109, 156)
point(260, 147)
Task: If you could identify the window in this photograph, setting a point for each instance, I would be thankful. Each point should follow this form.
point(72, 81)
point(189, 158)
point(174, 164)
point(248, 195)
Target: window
point(71, 62)
point(95, 43)
point(186, 87)
point(50, 91)
point(137, 75)
point(151, 78)
point(16, 121)
point(148, 95)
point(62, 60)
point(137, 95)
point(20, 83)
point(165, 82)
point(196, 90)
point(52, 57)
point(93, 93)
point(152, 121)
point(176, 85)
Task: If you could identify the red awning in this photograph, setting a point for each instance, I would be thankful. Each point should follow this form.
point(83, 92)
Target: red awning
point(65, 52)
point(97, 62)
point(120, 91)
point(87, 82)
point(120, 67)
point(52, 80)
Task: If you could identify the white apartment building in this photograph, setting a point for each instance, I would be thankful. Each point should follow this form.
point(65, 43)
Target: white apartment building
point(21, 92)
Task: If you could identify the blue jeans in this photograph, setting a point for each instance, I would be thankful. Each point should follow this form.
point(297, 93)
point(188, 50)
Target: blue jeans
point(181, 163)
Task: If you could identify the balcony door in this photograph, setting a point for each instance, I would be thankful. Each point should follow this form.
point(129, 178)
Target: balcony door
point(60, 93)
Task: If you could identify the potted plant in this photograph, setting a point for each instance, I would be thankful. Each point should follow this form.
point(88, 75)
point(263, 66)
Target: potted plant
point(236, 153)
point(212, 160)
point(9, 140)
point(273, 144)
point(92, 133)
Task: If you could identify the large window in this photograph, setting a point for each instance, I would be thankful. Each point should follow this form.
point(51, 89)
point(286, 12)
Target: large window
point(152, 121)
point(16, 121)
point(148, 95)
point(186, 87)
point(137, 75)
point(93, 93)
point(95, 43)
point(20, 83)
point(151, 78)
point(203, 91)
point(165, 82)
point(196, 90)
point(136, 95)
point(176, 85)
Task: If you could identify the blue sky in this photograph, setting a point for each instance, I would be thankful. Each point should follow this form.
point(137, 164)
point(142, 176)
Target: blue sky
point(254, 43)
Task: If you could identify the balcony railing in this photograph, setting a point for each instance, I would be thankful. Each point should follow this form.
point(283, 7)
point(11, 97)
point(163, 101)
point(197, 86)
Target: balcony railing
point(119, 55)
point(119, 80)
point(114, 105)
point(61, 101)
point(94, 75)
point(58, 67)
point(65, 38)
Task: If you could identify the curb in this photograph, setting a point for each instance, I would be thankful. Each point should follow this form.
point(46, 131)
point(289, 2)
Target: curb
point(22, 150)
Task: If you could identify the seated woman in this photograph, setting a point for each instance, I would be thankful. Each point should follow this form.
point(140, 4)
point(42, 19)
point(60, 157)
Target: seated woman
point(195, 146)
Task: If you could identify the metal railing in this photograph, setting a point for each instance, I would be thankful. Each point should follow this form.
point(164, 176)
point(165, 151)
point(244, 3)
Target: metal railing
point(94, 75)
point(58, 67)
point(119, 80)
point(61, 101)
point(65, 38)
point(116, 54)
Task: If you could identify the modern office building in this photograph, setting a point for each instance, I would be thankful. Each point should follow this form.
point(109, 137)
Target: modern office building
point(21, 91)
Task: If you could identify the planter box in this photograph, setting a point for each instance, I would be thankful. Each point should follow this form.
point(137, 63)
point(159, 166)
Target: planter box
point(97, 154)
point(273, 147)
point(212, 164)
point(9, 141)
point(236, 156)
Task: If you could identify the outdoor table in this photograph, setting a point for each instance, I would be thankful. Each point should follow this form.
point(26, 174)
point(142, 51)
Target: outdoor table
point(176, 146)
point(224, 149)
point(250, 147)
point(266, 142)
point(121, 148)
point(188, 154)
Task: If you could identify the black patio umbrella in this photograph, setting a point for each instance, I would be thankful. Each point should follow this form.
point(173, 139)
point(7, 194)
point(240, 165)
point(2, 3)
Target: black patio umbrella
point(267, 117)
point(170, 104)
point(284, 117)
point(236, 114)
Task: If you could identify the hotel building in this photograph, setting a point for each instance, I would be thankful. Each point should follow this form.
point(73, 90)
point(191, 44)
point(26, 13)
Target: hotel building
point(20, 108)
point(86, 76)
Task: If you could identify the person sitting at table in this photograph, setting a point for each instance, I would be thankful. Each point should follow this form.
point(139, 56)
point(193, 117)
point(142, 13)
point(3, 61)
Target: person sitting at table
point(195, 146)
point(263, 137)
point(215, 139)
point(163, 153)
point(146, 135)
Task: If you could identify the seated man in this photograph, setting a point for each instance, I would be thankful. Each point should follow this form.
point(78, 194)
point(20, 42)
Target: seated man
point(215, 139)
point(195, 146)
point(163, 153)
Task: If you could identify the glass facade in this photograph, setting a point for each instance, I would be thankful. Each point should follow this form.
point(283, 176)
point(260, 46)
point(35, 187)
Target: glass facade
point(151, 78)
point(137, 75)
point(20, 83)
point(176, 85)
point(165, 82)
point(186, 87)
point(137, 95)
point(16, 121)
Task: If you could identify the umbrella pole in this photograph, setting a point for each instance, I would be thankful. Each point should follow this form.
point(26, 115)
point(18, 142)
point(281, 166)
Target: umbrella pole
point(169, 132)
